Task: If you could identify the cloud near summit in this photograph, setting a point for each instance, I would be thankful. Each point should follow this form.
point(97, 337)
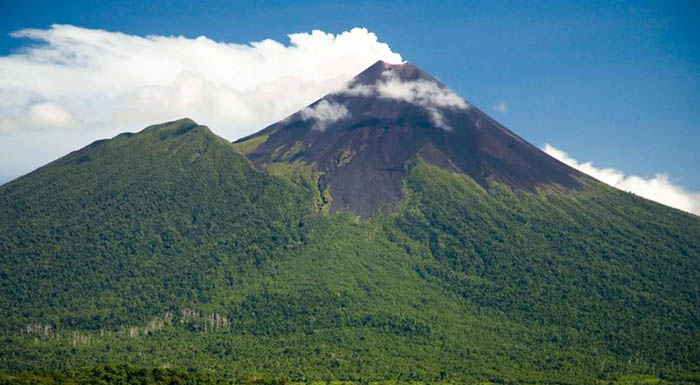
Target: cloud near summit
point(426, 94)
point(94, 84)
point(324, 113)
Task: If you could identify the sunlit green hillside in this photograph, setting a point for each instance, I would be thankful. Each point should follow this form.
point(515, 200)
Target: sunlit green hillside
point(168, 248)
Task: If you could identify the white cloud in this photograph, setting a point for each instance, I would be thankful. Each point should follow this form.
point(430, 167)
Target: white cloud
point(94, 84)
point(39, 116)
point(659, 188)
point(357, 90)
point(424, 93)
point(324, 113)
point(501, 107)
point(421, 92)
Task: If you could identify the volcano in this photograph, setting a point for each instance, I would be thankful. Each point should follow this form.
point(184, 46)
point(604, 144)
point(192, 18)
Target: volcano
point(359, 139)
point(390, 232)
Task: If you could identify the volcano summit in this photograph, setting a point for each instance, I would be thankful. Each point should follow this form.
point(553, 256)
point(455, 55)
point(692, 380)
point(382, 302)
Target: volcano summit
point(359, 139)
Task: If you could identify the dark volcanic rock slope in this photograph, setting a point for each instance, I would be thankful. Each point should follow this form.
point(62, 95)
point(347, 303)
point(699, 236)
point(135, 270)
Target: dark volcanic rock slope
point(359, 139)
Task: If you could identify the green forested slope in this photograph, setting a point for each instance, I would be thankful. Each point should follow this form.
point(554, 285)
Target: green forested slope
point(167, 247)
point(125, 228)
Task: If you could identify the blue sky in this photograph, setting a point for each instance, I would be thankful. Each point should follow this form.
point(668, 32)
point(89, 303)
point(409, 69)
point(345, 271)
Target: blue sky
point(611, 82)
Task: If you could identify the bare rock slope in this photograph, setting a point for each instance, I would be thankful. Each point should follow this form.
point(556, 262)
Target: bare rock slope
point(358, 140)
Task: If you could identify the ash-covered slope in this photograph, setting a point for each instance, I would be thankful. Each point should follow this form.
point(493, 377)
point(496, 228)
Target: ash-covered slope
point(358, 140)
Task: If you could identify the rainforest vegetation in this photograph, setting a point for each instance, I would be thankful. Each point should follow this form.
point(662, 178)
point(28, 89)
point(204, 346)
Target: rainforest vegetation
point(169, 249)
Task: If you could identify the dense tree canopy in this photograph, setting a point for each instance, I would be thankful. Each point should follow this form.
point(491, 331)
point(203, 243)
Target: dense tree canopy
point(168, 248)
